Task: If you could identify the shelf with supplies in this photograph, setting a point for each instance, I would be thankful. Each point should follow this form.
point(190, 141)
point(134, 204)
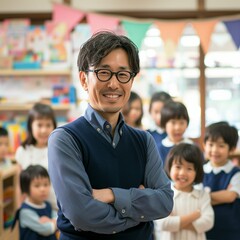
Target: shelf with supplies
point(21, 89)
point(39, 72)
point(8, 201)
point(26, 107)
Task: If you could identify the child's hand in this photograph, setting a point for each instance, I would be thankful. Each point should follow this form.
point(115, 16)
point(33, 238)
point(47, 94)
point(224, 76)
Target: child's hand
point(45, 219)
point(197, 214)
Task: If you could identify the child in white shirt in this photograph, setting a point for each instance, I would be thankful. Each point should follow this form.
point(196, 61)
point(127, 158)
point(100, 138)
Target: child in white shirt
point(192, 213)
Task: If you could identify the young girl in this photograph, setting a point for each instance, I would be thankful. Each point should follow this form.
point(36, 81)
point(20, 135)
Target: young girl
point(41, 122)
point(157, 102)
point(175, 120)
point(192, 213)
point(133, 111)
point(222, 180)
point(36, 218)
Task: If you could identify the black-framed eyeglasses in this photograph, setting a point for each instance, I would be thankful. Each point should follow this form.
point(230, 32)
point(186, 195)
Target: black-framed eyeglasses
point(105, 75)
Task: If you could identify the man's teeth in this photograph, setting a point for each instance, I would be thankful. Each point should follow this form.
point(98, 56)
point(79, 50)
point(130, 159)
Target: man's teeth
point(112, 96)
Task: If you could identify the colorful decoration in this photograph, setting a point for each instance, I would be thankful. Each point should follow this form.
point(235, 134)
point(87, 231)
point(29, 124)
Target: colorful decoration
point(136, 31)
point(204, 30)
point(233, 27)
point(99, 22)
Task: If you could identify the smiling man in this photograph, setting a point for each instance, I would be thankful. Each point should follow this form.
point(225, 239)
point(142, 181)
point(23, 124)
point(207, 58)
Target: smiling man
point(108, 177)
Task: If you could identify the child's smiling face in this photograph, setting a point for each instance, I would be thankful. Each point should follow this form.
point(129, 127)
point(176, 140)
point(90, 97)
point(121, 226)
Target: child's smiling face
point(217, 152)
point(183, 175)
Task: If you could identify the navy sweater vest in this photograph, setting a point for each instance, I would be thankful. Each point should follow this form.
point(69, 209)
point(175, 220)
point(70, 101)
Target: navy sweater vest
point(227, 216)
point(122, 167)
point(27, 233)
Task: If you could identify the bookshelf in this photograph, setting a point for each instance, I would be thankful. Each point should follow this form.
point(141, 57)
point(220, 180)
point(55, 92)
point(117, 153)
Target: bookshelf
point(21, 89)
point(8, 201)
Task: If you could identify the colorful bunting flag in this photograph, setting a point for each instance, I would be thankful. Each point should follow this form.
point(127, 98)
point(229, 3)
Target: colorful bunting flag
point(136, 31)
point(204, 30)
point(170, 30)
point(99, 22)
point(233, 27)
point(63, 13)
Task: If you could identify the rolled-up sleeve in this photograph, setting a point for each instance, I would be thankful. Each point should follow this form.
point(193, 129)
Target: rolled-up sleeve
point(153, 202)
point(73, 190)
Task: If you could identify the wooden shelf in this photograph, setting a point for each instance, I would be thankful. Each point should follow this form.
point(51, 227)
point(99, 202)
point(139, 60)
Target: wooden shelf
point(8, 203)
point(27, 107)
point(8, 178)
point(38, 72)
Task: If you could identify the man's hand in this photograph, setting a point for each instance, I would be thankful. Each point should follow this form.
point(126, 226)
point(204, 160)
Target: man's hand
point(103, 195)
point(106, 194)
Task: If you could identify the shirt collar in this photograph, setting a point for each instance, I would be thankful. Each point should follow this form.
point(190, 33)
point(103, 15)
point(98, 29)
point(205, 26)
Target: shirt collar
point(195, 193)
point(168, 143)
point(97, 121)
point(226, 168)
point(40, 206)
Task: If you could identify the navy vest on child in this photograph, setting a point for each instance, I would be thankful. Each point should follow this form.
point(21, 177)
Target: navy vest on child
point(227, 216)
point(27, 233)
point(158, 137)
point(121, 167)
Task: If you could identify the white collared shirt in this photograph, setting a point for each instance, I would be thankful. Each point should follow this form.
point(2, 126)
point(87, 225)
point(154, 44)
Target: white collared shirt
point(235, 181)
point(185, 203)
point(166, 142)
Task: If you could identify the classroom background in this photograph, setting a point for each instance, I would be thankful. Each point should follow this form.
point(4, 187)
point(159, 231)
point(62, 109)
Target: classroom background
point(188, 48)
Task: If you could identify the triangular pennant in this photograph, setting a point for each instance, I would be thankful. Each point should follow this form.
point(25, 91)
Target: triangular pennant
point(170, 30)
point(99, 22)
point(136, 31)
point(204, 30)
point(233, 27)
point(68, 15)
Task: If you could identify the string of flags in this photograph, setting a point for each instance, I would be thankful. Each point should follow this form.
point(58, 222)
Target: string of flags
point(136, 29)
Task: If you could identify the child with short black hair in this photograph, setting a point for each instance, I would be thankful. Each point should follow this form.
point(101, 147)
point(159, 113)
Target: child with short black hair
point(175, 120)
point(34, 150)
point(192, 213)
point(157, 102)
point(36, 218)
point(222, 180)
point(4, 149)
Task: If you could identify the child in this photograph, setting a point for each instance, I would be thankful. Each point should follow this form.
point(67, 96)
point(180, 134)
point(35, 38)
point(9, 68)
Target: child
point(4, 147)
point(175, 120)
point(133, 111)
point(41, 122)
point(157, 101)
point(192, 213)
point(36, 218)
point(222, 179)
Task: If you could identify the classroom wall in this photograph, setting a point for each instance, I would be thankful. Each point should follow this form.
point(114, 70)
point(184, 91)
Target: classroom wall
point(34, 6)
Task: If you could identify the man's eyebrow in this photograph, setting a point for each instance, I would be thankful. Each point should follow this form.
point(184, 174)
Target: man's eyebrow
point(108, 67)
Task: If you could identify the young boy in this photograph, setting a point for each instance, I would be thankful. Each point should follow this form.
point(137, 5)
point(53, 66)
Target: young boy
point(222, 179)
point(36, 218)
point(4, 145)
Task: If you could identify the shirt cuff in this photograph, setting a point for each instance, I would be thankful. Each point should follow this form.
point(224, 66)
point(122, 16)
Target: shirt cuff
point(122, 201)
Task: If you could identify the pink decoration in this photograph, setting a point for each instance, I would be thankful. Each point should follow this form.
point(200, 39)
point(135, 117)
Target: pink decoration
point(99, 22)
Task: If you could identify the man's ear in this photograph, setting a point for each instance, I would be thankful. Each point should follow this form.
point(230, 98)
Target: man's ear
point(83, 80)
